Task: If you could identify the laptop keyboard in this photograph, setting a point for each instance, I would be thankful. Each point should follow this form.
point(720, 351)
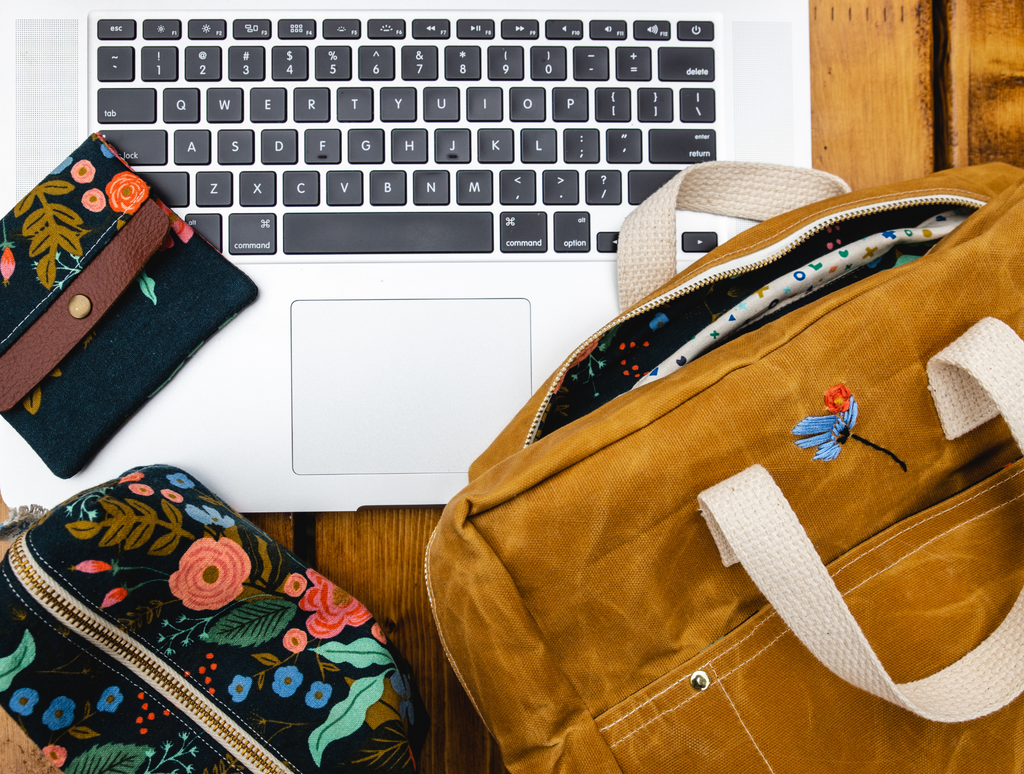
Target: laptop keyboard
point(368, 135)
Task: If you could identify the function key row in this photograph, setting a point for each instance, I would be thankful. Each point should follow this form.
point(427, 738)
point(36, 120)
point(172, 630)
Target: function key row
point(395, 29)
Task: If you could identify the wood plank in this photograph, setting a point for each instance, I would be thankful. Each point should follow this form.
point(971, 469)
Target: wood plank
point(985, 102)
point(872, 116)
point(377, 556)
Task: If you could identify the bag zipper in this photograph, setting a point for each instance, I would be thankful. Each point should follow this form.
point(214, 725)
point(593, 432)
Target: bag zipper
point(141, 661)
point(756, 260)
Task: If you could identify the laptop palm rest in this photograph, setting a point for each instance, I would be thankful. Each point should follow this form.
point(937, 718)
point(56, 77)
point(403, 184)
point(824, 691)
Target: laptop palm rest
point(382, 386)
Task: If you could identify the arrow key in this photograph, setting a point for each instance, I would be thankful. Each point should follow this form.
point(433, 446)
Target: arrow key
point(520, 29)
point(699, 241)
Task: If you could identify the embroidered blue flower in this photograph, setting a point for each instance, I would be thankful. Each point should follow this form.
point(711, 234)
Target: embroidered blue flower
point(209, 515)
point(239, 688)
point(62, 166)
point(110, 699)
point(59, 714)
point(106, 151)
point(403, 689)
point(319, 694)
point(23, 701)
point(658, 321)
point(287, 681)
point(181, 481)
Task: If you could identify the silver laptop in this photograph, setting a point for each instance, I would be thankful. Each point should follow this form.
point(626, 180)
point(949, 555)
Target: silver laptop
point(427, 197)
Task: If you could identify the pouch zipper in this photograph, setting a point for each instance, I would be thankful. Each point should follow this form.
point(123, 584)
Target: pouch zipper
point(756, 260)
point(144, 663)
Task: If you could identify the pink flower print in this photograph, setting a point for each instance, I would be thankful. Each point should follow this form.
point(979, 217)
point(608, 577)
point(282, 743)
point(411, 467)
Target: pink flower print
point(210, 574)
point(114, 596)
point(92, 566)
point(333, 608)
point(295, 640)
point(173, 496)
point(7, 264)
point(83, 171)
point(94, 200)
point(141, 489)
point(294, 585)
point(378, 634)
point(55, 754)
point(138, 475)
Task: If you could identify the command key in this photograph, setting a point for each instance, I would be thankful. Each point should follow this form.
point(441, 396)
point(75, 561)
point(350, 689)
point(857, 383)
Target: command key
point(252, 233)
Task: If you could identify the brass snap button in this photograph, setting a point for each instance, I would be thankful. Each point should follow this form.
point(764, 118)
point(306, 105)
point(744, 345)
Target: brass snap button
point(80, 307)
point(700, 681)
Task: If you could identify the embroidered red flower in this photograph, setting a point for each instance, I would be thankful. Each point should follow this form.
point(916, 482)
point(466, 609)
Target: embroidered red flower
point(126, 192)
point(210, 574)
point(837, 399)
point(55, 754)
point(333, 608)
point(114, 596)
point(92, 566)
point(295, 640)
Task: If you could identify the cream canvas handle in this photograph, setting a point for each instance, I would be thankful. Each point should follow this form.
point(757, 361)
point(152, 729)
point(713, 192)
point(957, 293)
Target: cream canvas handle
point(647, 240)
point(979, 375)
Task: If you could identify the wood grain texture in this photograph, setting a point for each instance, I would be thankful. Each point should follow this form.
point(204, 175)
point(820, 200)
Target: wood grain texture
point(872, 113)
point(986, 72)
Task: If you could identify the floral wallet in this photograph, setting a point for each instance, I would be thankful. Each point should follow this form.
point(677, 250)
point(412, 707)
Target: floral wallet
point(105, 293)
point(147, 628)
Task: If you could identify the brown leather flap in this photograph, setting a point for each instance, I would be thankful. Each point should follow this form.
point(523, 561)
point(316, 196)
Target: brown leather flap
point(38, 350)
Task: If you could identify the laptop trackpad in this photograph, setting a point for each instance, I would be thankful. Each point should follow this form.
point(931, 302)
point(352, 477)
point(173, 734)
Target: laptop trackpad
point(404, 386)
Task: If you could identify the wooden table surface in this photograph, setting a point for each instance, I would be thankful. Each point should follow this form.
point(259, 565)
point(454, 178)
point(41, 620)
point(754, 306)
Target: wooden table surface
point(897, 91)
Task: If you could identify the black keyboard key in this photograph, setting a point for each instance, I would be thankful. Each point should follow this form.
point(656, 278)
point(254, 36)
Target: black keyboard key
point(681, 146)
point(289, 63)
point(181, 106)
point(224, 106)
point(517, 186)
point(527, 104)
point(213, 189)
point(607, 241)
point(296, 29)
point(495, 146)
point(590, 63)
point(246, 63)
point(385, 29)
point(612, 105)
point(440, 104)
point(300, 188)
point(365, 146)
point(570, 104)
point(161, 29)
point(398, 104)
point(644, 182)
point(452, 146)
point(387, 188)
point(633, 64)
point(236, 146)
point(604, 186)
point(697, 106)
point(654, 105)
point(608, 30)
point(202, 63)
point(350, 233)
point(430, 187)
point(268, 105)
point(505, 63)
point(539, 146)
point(279, 146)
point(624, 146)
point(115, 64)
point(333, 63)
point(547, 63)
point(252, 233)
point(170, 187)
point(523, 232)
point(564, 30)
point(142, 147)
point(475, 29)
point(342, 29)
point(581, 146)
point(484, 104)
point(159, 63)
point(686, 64)
point(251, 29)
point(571, 232)
point(207, 29)
point(695, 30)
point(520, 29)
point(344, 189)
point(409, 146)
point(191, 146)
point(312, 105)
point(207, 224)
point(355, 105)
point(322, 146)
point(419, 63)
point(115, 29)
point(431, 29)
point(126, 106)
point(257, 189)
point(699, 241)
point(652, 30)
point(561, 186)
point(462, 63)
point(377, 63)
point(474, 188)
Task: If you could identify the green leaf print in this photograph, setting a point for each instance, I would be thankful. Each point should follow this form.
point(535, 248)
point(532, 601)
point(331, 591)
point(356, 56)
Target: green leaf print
point(110, 759)
point(22, 656)
point(148, 285)
point(252, 624)
point(346, 716)
point(360, 654)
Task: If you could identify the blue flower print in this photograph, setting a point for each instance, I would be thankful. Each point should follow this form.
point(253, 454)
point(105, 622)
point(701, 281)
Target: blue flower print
point(287, 681)
point(401, 686)
point(59, 714)
point(181, 481)
point(23, 701)
point(658, 321)
point(106, 151)
point(110, 699)
point(239, 688)
point(319, 694)
point(209, 515)
point(62, 166)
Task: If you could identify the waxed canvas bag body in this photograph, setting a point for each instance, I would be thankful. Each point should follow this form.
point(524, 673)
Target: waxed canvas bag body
point(579, 585)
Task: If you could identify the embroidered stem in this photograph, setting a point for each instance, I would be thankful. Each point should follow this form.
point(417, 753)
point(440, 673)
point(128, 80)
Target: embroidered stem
point(866, 442)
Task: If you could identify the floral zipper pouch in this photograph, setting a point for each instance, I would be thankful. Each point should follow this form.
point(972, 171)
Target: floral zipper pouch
point(148, 628)
point(105, 293)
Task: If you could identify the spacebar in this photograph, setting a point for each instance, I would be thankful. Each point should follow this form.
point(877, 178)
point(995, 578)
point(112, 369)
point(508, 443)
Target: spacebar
point(308, 233)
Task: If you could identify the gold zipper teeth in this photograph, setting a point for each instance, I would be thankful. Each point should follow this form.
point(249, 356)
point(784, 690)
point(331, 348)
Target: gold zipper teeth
point(153, 671)
point(686, 289)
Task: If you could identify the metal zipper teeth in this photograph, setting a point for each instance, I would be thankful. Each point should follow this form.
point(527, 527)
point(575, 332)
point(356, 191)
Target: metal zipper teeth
point(138, 658)
point(738, 267)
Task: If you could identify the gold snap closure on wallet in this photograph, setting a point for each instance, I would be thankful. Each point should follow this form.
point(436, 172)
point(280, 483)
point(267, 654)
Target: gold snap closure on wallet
point(80, 307)
point(700, 681)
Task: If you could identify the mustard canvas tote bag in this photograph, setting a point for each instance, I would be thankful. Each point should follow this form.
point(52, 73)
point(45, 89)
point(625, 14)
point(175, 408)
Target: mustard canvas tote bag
point(769, 518)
